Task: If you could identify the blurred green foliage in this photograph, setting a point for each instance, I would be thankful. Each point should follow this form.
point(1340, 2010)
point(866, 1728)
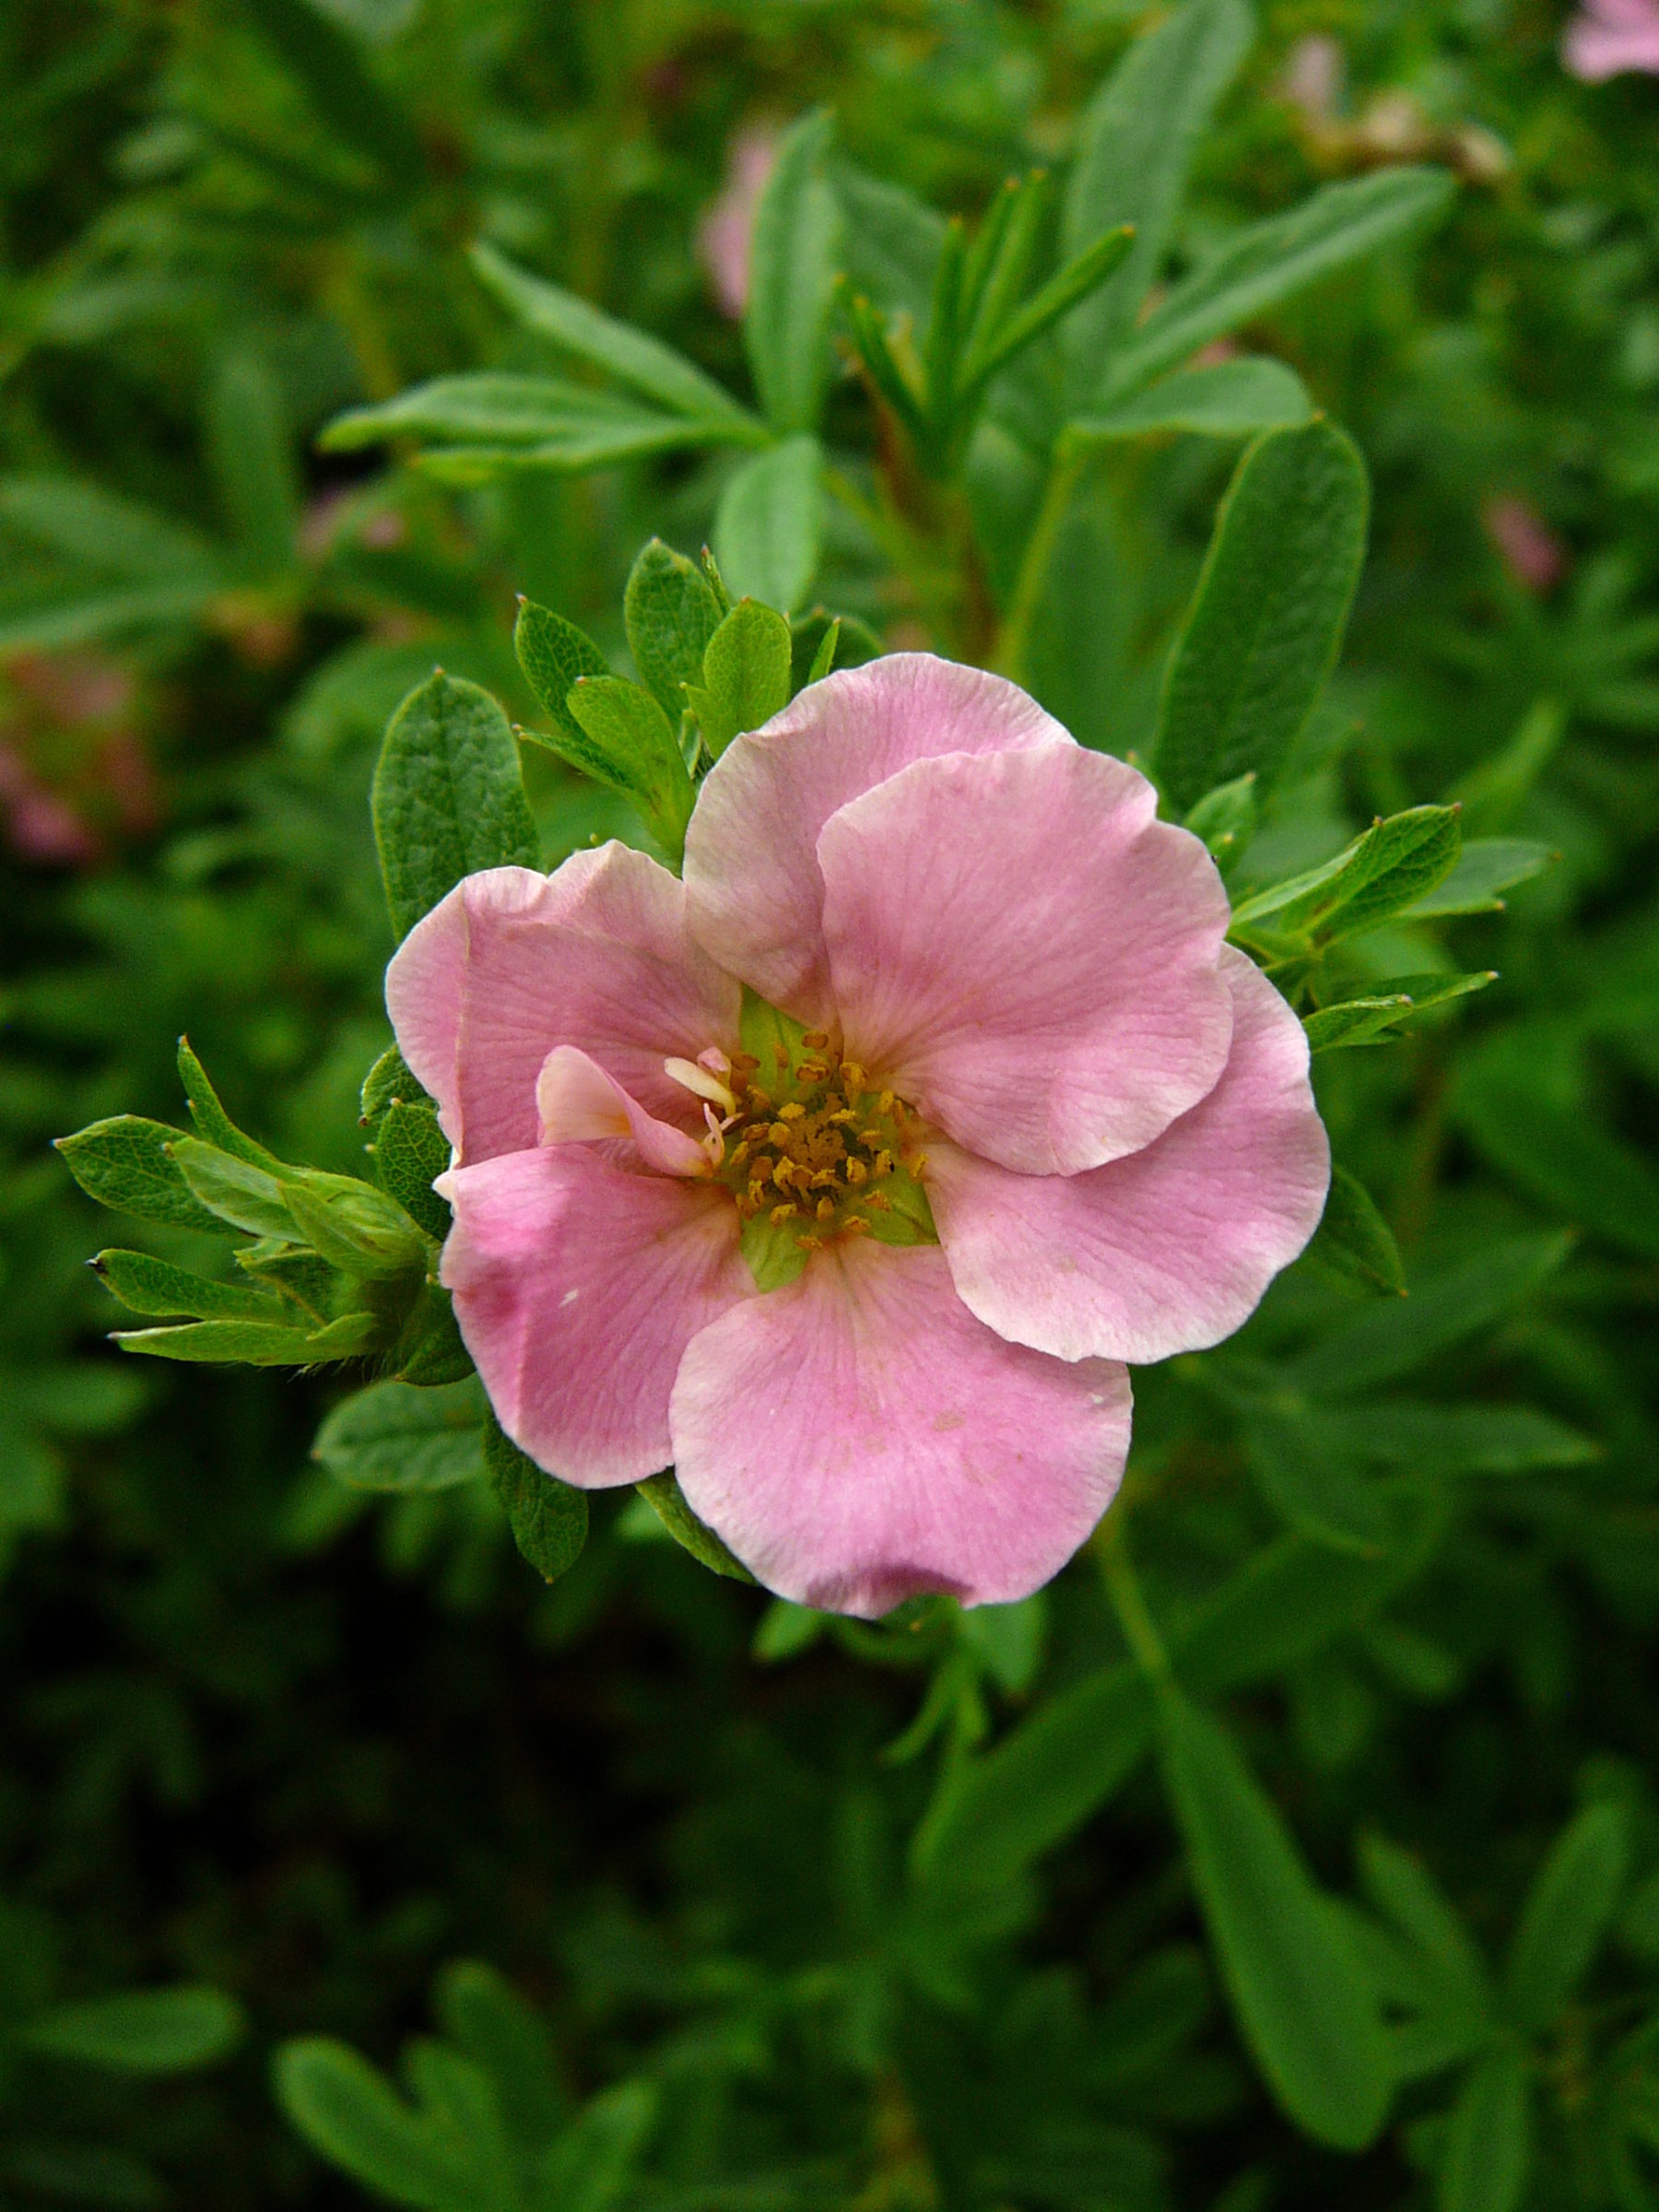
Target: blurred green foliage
point(982, 1911)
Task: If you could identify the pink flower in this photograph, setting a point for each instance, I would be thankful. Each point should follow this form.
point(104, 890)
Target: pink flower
point(1612, 36)
point(728, 228)
point(1020, 1027)
point(1525, 544)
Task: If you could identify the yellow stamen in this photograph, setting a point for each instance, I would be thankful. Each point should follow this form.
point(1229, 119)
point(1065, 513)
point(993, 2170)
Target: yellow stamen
point(780, 1214)
point(857, 1173)
point(826, 1210)
point(702, 1082)
point(815, 1039)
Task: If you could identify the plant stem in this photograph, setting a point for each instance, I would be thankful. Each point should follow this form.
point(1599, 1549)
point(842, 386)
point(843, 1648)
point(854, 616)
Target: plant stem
point(1014, 643)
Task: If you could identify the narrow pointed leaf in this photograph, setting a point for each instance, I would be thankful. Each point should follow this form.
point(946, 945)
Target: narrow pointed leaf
point(1228, 399)
point(1487, 2148)
point(792, 278)
point(159, 1289)
point(1267, 621)
point(1303, 2003)
point(1568, 1913)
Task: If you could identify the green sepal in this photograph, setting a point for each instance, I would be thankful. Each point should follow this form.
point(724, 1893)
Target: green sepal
point(254, 1343)
point(909, 1219)
point(746, 674)
point(856, 643)
point(630, 743)
point(296, 1272)
point(154, 1287)
point(823, 660)
point(1353, 1241)
point(670, 611)
point(667, 1500)
point(548, 1518)
point(212, 1123)
point(235, 1190)
point(388, 1080)
point(410, 1152)
point(773, 1254)
point(763, 1030)
point(353, 1226)
point(126, 1163)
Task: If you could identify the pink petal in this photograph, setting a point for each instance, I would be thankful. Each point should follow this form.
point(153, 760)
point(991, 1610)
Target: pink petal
point(751, 853)
point(1169, 1250)
point(512, 963)
point(859, 1437)
point(579, 1103)
point(1022, 950)
point(1624, 39)
point(577, 1287)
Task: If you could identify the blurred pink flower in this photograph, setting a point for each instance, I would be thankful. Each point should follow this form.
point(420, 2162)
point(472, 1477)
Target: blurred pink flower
point(1038, 1120)
point(726, 231)
point(1611, 37)
point(41, 826)
point(1528, 548)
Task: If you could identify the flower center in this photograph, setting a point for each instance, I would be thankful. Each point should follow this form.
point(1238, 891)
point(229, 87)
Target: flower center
point(810, 1150)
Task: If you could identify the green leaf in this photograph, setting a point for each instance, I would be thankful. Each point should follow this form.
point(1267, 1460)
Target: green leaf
point(1434, 1443)
point(1400, 1887)
point(1487, 2144)
point(211, 1121)
point(768, 531)
point(448, 798)
point(1570, 1160)
point(1353, 1241)
point(1135, 145)
point(548, 1518)
point(591, 2166)
point(127, 1162)
point(389, 1079)
point(492, 423)
point(140, 2032)
point(1302, 2004)
point(641, 362)
point(250, 440)
point(353, 2116)
point(481, 2011)
point(671, 612)
point(430, 1350)
point(1356, 1021)
point(812, 651)
point(1391, 1339)
point(555, 655)
point(890, 242)
point(1230, 399)
point(235, 1190)
point(411, 1153)
point(666, 1500)
point(1566, 1914)
point(255, 1344)
point(791, 278)
point(1266, 624)
point(156, 1287)
point(746, 674)
point(394, 1437)
point(348, 96)
point(1486, 867)
point(1387, 867)
point(107, 534)
point(351, 1225)
point(1296, 1453)
point(630, 745)
point(1260, 266)
point(1226, 819)
point(1050, 304)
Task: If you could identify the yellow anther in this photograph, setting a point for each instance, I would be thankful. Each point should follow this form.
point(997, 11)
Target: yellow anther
point(780, 1214)
point(876, 1204)
point(884, 1163)
point(759, 1100)
point(915, 1163)
point(853, 1076)
point(816, 1039)
point(843, 1114)
point(826, 1210)
point(781, 1054)
point(886, 1103)
point(744, 1063)
point(778, 1132)
point(855, 1226)
point(783, 1174)
point(740, 1152)
point(793, 1112)
point(871, 1136)
point(813, 1071)
point(857, 1173)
